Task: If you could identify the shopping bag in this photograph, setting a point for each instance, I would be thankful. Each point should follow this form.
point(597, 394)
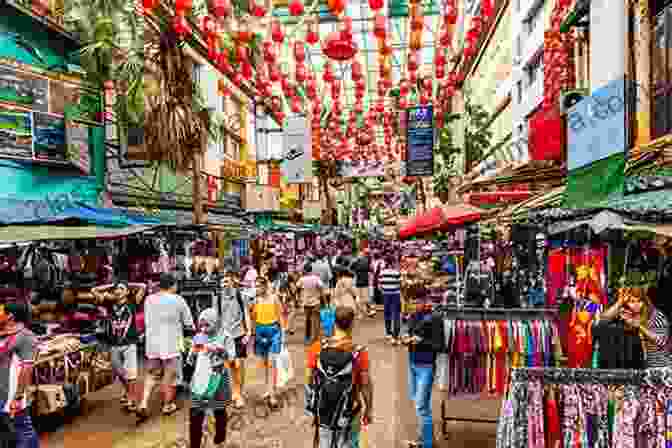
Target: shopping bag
point(204, 383)
point(285, 369)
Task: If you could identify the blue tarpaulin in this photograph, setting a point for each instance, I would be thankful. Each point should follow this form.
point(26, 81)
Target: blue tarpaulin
point(15, 211)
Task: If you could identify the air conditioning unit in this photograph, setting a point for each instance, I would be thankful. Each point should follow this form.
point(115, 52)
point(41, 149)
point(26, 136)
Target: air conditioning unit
point(570, 98)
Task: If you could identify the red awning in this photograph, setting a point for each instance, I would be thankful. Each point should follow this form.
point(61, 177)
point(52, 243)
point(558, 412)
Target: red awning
point(440, 218)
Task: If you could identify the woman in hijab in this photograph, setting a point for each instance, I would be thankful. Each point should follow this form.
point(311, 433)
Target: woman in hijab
point(211, 383)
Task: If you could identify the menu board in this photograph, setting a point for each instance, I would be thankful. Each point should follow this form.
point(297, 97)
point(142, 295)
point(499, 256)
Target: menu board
point(16, 133)
point(420, 141)
point(48, 137)
point(77, 143)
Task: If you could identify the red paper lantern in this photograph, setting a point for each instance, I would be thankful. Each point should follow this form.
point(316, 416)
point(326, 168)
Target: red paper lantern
point(273, 73)
point(312, 36)
point(295, 7)
point(149, 5)
point(356, 71)
point(241, 54)
point(379, 26)
point(277, 34)
point(336, 6)
point(413, 77)
point(376, 5)
point(269, 52)
point(328, 75)
point(359, 107)
point(418, 22)
point(299, 51)
point(301, 73)
point(450, 14)
point(413, 62)
point(440, 72)
point(486, 8)
point(403, 103)
point(238, 79)
point(257, 10)
point(208, 26)
point(346, 29)
point(246, 70)
point(183, 6)
point(296, 105)
point(334, 47)
point(220, 8)
point(180, 25)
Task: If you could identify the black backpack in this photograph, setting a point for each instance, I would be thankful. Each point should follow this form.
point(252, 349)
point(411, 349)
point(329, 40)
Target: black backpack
point(331, 396)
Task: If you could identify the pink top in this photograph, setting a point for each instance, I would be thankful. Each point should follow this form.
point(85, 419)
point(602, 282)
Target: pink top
point(250, 278)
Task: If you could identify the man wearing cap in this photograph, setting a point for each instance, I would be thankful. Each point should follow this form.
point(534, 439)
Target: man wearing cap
point(122, 336)
point(167, 318)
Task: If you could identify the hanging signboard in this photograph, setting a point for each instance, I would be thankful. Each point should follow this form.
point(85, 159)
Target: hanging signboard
point(420, 141)
point(297, 154)
point(33, 109)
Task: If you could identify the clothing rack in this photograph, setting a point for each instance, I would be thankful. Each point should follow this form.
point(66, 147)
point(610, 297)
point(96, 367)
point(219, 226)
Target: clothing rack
point(450, 309)
point(552, 375)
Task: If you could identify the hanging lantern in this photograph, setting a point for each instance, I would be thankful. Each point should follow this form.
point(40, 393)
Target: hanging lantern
point(299, 51)
point(385, 67)
point(440, 58)
point(413, 78)
point(446, 36)
point(413, 62)
point(416, 40)
point(182, 7)
point(359, 94)
point(427, 84)
point(207, 26)
point(277, 34)
point(246, 70)
point(359, 107)
point(269, 52)
point(220, 8)
point(241, 54)
point(149, 5)
point(243, 35)
point(273, 73)
point(338, 49)
point(403, 88)
point(312, 36)
point(335, 91)
point(403, 103)
point(418, 21)
point(486, 8)
point(356, 71)
point(469, 50)
point(376, 5)
point(295, 7)
point(450, 14)
point(257, 10)
point(328, 75)
point(212, 49)
point(336, 6)
point(440, 72)
point(388, 140)
point(346, 29)
point(180, 25)
point(301, 73)
point(238, 79)
point(379, 26)
point(296, 105)
point(284, 84)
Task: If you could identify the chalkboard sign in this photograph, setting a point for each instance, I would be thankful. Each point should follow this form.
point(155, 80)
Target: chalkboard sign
point(420, 141)
point(24, 89)
point(16, 133)
point(77, 139)
point(49, 137)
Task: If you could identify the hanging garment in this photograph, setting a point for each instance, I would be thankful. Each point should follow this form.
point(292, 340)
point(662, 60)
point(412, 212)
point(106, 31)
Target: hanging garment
point(580, 341)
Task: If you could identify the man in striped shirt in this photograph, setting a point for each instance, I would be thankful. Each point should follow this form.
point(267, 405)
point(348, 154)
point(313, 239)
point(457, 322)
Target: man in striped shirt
point(390, 285)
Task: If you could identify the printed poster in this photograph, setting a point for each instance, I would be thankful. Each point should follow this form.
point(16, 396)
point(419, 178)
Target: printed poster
point(296, 166)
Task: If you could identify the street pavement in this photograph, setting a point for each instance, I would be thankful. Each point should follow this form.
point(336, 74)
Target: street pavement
point(101, 424)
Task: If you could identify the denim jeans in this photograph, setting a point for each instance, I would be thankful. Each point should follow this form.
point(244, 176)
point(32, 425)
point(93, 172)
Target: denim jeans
point(26, 435)
point(392, 302)
point(420, 383)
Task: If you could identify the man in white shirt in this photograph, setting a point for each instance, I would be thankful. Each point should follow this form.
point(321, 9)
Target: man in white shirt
point(167, 318)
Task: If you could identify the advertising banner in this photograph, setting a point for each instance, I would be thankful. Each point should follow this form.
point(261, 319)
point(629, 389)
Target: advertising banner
point(420, 141)
point(297, 164)
point(596, 127)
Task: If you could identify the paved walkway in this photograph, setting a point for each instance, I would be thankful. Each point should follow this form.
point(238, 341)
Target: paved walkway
point(103, 425)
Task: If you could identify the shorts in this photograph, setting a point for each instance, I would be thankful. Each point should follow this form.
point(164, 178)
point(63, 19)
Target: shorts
point(125, 361)
point(267, 340)
point(241, 348)
point(164, 370)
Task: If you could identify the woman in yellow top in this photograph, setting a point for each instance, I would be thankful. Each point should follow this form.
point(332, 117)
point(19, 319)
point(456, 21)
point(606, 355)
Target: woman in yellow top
point(269, 324)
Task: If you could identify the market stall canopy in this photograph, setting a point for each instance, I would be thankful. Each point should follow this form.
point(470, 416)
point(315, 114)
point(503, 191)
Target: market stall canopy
point(440, 218)
point(16, 211)
point(50, 232)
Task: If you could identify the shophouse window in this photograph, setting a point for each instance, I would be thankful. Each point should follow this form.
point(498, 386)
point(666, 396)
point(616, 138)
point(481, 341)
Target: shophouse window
point(661, 67)
point(233, 124)
point(519, 91)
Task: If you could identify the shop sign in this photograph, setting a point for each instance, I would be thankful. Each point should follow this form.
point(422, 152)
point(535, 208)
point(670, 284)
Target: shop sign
point(237, 171)
point(420, 141)
point(33, 109)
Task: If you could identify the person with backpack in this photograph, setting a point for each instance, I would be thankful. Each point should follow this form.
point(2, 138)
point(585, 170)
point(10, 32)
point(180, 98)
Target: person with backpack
point(235, 322)
point(339, 391)
point(122, 335)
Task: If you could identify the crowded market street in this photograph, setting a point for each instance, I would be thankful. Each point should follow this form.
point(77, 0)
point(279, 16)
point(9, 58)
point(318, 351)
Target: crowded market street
point(102, 425)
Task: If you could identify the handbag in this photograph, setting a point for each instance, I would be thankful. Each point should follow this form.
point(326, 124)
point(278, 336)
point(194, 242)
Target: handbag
point(205, 382)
